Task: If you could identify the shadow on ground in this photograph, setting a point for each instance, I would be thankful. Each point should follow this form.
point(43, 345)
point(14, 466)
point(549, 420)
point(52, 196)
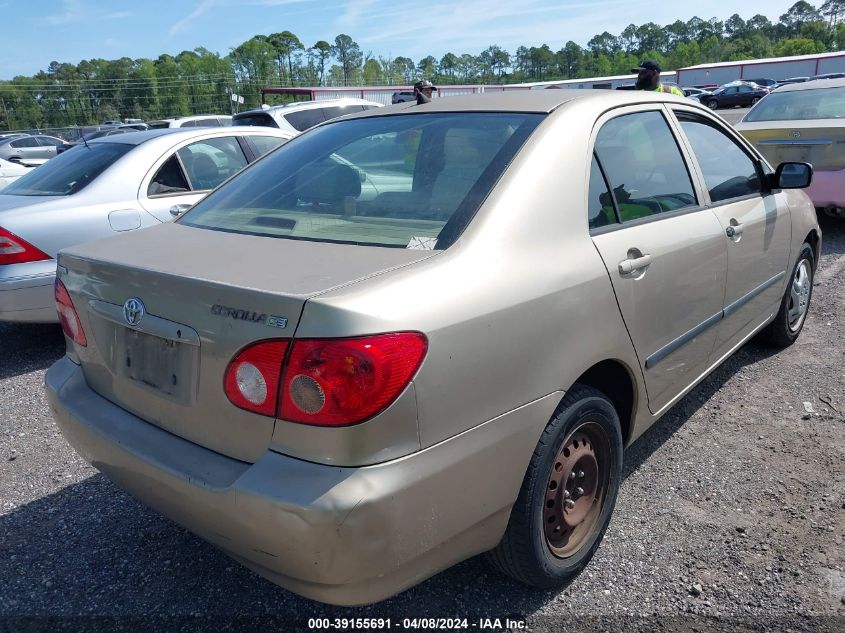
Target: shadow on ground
point(29, 347)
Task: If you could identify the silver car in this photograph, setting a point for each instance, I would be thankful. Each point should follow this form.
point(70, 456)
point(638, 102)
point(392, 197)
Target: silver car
point(24, 147)
point(107, 186)
point(350, 392)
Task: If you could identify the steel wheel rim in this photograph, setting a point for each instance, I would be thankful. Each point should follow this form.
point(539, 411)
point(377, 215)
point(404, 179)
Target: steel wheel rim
point(799, 295)
point(576, 489)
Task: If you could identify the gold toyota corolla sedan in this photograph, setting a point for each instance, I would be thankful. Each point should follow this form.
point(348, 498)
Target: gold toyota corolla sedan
point(425, 332)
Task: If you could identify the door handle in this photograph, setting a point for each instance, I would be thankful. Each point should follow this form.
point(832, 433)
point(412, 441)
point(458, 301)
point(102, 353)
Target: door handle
point(178, 209)
point(631, 265)
point(734, 229)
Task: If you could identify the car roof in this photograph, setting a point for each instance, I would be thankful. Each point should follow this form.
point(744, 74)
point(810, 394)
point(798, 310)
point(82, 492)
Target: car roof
point(143, 136)
point(539, 101)
point(307, 105)
point(812, 84)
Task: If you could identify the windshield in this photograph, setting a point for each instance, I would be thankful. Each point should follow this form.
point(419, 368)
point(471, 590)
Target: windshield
point(69, 172)
point(404, 181)
point(800, 105)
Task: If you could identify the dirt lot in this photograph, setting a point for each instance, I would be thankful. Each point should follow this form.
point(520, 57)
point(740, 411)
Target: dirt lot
point(731, 516)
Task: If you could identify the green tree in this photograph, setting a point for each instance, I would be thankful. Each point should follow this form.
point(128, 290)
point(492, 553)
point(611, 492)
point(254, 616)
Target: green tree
point(348, 53)
point(324, 52)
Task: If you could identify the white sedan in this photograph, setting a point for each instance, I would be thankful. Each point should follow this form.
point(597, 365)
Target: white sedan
point(9, 171)
point(104, 187)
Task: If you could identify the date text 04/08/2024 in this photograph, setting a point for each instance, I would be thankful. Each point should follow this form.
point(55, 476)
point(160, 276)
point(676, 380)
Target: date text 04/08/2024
point(438, 624)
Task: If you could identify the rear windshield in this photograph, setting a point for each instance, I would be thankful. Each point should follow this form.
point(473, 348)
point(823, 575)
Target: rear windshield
point(404, 181)
point(259, 118)
point(69, 172)
point(800, 105)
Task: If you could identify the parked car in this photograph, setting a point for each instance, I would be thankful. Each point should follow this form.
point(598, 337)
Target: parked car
point(299, 116)
point(766, 83)
point(349, 395)
point(110, 185)
point(792, 80)
point(197, 120)
point(21, 148)
point(9, 172)
point(696, 94)
point(737, 94)
point(804, 121)
point(828, 76)
point(402, 96)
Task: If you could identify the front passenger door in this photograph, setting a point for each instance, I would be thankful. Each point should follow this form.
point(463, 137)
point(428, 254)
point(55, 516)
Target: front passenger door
point(756, 227)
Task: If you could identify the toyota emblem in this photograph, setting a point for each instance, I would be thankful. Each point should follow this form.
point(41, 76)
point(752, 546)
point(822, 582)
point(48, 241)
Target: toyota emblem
point(796, 134)
point(133, 311)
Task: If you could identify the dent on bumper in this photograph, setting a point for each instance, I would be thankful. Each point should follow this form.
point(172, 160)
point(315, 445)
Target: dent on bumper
point(339, 535)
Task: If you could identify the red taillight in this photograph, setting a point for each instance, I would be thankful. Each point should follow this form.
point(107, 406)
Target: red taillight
point(68, 316)
point(252, 378)
point(14, 250)
point(338, 382)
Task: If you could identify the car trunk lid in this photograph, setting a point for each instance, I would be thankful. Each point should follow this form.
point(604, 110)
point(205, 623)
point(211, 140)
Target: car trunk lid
point(196, 297)
point(819, 142)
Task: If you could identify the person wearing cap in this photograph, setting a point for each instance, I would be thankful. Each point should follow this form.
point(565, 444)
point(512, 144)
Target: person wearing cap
point(648, 78)
point(423, 90)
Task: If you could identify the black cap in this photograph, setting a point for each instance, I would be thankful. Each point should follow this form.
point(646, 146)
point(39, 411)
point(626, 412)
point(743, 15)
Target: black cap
point(425, 83)
point(647, 65)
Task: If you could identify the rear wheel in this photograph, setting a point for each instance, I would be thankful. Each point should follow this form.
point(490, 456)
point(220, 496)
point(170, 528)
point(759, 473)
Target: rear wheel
point(712, 104)
point(755, 100)
point(568, 493)
point(788, 322)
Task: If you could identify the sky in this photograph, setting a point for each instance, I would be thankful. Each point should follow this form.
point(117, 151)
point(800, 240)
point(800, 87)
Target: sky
point(35, 33)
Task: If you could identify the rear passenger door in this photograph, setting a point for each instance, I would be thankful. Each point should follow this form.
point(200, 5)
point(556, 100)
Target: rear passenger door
point(664, 251)
point(756, 225)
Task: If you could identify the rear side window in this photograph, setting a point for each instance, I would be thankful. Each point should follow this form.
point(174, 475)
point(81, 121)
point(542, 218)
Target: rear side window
point(728, 171)
point(70, 171)
point(405, 181)
point(29, 141)
point(169, 179)
point(210, 162)
point(644, 166)
point(266, 144)
point(304, 119)
point(46, 141)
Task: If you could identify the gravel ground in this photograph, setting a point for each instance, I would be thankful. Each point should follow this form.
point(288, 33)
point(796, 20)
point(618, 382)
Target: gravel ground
point(731, 516)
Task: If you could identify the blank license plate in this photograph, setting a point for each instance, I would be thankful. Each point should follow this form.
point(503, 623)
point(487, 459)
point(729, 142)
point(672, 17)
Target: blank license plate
point(154, 362)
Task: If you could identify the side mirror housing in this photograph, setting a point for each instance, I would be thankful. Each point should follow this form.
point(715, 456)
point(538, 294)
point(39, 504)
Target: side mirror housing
point(791, 176)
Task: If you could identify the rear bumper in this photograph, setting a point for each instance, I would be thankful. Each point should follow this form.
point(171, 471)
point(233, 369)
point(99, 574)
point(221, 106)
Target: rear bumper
point(827, 188)
point(338, 535)
point(28, 298)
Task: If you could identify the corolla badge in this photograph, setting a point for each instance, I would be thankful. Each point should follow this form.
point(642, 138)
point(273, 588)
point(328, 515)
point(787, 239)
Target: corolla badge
point(133, 311)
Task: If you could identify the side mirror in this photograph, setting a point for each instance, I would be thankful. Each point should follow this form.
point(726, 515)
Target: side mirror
point(792, 176)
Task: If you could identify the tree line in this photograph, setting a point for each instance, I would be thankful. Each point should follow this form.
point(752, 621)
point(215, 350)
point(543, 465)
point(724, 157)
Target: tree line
point(201, 81)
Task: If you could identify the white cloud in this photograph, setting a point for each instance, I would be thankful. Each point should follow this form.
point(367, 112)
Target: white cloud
point(204, 5)
point(79, 11)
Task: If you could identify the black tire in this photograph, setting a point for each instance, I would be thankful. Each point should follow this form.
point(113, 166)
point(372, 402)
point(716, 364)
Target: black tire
point(525, 552)
point(755, 100)
point(712, 104)
point(784, 330)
